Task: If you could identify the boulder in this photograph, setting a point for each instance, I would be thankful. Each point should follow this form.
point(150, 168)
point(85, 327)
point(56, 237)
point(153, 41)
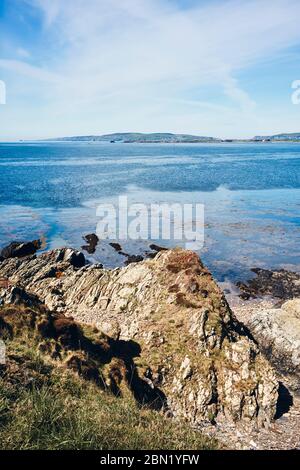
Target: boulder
point(277, 331)
point(74, 257)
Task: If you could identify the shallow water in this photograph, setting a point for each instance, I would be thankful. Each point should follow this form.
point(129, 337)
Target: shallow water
point(251, 194)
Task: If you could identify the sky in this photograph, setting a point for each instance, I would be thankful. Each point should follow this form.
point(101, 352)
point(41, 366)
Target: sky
point(221, 68)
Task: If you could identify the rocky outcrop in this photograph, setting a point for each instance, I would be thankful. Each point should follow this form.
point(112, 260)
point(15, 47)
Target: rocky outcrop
point(190, 346)
point(274, 319)
point(116, 246)
point(157, 248)
point(20, 249)
point(63, 343)
point(280, 284)
point(92, 241)
point(277, 331)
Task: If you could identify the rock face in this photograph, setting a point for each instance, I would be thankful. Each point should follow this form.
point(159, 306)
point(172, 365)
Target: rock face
point(275, 327)
point(277, 331)
point(191, 347)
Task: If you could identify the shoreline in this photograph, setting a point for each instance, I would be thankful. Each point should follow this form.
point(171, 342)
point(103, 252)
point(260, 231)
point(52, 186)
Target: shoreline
point(69, 286)
point(226, 142)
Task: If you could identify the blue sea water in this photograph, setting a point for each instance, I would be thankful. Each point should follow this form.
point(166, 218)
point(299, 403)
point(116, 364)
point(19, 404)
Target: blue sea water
point(251, 194)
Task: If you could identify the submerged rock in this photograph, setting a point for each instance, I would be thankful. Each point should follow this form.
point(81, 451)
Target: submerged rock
point(92, 242)
point(116, 246)
point(172, 314)
point(20, 249)
point(133, 259)
point(157, 248)
point(280, 284)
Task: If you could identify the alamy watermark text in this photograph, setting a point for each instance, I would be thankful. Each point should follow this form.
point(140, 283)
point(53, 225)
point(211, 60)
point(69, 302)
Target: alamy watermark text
point(138, 221)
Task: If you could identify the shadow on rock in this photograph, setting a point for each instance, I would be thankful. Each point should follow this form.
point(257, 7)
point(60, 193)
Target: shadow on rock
point(145, 393)
point(285, 401)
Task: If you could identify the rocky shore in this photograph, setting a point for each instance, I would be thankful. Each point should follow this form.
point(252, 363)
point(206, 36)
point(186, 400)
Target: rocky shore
point(273, 316)
point(180, 347)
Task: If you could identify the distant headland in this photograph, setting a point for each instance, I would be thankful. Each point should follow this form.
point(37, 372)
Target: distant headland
point(153, 138)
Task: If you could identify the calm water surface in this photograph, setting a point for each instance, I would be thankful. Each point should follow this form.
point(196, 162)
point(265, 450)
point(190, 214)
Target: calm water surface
point(251, 194)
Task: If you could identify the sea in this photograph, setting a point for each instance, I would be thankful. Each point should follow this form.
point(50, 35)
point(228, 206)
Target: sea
point(250, 194)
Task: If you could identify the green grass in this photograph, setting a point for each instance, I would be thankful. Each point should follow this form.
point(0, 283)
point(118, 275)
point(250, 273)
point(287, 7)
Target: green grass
point(45, 405)
point(59, 410)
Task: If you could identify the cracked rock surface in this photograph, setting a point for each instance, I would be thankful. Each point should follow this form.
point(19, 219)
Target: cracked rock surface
point(192, 347)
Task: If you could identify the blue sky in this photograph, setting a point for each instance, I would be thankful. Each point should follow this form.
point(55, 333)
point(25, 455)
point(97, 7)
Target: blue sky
point(220, 68)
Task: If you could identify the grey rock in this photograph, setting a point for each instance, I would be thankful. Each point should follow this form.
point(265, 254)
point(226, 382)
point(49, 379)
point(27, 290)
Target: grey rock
point(18, 296)
point(277, 331)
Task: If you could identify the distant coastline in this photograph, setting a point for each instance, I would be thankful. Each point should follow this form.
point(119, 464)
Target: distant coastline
point(160, 138)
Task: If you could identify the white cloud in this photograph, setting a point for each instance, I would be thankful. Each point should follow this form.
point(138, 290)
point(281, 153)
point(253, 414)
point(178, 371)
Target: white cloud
point(23, 53)
point(36, 73)
point(133, 61)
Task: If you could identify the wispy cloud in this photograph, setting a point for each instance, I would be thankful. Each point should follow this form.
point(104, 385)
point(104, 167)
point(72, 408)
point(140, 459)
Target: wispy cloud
point(36, 73)
point(23, 53)
point(138, 58)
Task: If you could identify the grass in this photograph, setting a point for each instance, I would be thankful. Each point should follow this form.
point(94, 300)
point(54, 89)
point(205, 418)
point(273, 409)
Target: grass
point(55, 409)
